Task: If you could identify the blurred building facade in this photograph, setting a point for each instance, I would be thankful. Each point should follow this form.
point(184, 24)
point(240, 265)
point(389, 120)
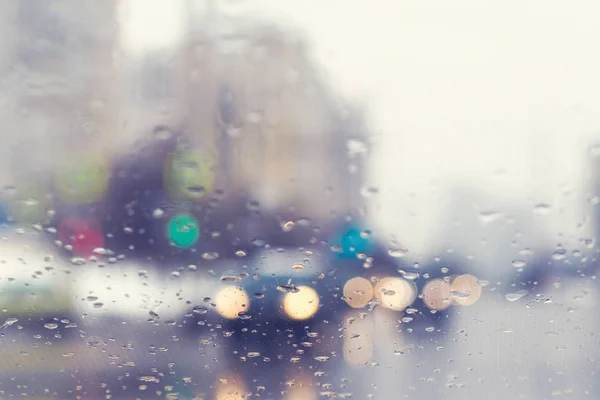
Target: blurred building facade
point(254, 97)
point(63, 79)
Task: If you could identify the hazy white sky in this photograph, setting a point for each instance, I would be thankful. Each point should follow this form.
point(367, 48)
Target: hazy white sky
point(502, 95)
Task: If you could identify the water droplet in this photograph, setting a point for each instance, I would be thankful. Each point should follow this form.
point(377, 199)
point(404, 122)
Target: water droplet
point(9, 322)
point(158, 213)
point(516, 296)
point(253, 354)
point(559, 254)
point(489, 216)
point(411, 276)
point(287, 226)
point(210, 256)
point(199, 310)
point(69, 354)
point(542, 209)
point(356, 147)
point(461, 294)
point(397, 252)
point(240, 253)
point(297, 266)
point(100, 250)
point(288, 288)
point(51, 325)
point(77, 260)
point(336, 248)
point(196, 190)
point(149, 378)
point(322, 358)
point(229, 277)
point(519, 263)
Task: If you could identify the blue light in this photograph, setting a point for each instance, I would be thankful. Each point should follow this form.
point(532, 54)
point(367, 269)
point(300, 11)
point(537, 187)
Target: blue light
point(352, 242)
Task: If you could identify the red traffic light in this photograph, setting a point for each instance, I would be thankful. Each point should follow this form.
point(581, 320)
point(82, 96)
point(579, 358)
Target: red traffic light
point(83, 234)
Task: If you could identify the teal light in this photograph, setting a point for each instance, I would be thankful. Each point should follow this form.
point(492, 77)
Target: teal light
point(183, 230)
point(352, 242)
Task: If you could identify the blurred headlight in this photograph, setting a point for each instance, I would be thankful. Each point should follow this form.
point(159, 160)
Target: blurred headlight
point(302, 304)
point(230, 387)
point(437, 295)
point(358, 292)
point(395, 293)
point(231, 301)
point(465, 290)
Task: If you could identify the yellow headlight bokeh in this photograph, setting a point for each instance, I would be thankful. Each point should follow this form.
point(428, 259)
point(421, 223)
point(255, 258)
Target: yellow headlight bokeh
point(301, 388)
point(437, 295)
point(395, 293)
point(231, 301)
point(302, 304)
point(230, 387)
point(465, 290)
point(358, 292)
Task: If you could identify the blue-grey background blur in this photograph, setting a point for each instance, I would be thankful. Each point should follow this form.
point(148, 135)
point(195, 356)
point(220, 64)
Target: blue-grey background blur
point(480, 123)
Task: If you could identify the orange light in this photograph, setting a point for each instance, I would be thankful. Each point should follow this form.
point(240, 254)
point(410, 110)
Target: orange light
point(465, 290)
point(358, 292)
point(437, 295)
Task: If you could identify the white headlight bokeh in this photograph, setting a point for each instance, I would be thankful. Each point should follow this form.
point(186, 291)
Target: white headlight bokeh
point(231, 301)
point(395, 293)
point(302, 304)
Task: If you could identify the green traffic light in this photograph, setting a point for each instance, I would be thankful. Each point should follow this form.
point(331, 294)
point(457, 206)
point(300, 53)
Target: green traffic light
point(183, 230)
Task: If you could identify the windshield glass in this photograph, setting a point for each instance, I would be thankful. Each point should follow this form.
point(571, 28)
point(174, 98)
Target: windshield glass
point(242, 199)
